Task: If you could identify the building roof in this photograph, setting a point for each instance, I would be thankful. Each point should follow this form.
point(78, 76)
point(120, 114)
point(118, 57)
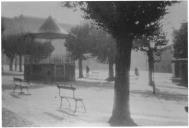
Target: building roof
point(50, 26)
point(50, 30)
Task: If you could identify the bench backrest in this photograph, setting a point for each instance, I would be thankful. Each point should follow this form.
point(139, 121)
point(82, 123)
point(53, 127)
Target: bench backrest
point(18, 79)
point(66, 87)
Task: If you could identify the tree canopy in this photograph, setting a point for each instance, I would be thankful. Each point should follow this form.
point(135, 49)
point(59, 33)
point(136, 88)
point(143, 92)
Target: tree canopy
point(133, 18)
point(78, 42)
point(181, 42)
point(20, 45)
point(9, 45)
point(104, 46)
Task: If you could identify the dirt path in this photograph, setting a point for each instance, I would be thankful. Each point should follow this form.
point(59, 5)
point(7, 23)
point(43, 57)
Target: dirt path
point(42, 106)
point(10, 119)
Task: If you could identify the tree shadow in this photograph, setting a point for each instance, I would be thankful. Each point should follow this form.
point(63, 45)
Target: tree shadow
point(162, 95)
point(12, 73)
point(7, 87)
point(54, 116)
point(14, 95)
point(180, 83)
point(169, 87)
point(17, 95)
point(66, 112)
point(89, 84)
point(11, 119)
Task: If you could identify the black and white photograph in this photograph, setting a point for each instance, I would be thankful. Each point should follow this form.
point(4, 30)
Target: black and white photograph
point(94, 63)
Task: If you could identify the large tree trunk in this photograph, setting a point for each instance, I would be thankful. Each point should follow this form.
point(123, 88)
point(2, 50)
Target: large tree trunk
point(121, 113)
point(20, 63)
point(11, 63)
point(151, 68)
point(15, 63)
point(111, 70)
point(80, 67)
point(2, 61)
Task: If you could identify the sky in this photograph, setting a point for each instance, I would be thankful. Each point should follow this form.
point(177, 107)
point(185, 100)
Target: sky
point(177, 13)
point(43, 10)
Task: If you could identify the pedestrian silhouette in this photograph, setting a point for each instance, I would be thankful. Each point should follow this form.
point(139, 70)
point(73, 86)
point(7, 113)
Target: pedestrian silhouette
point(87, 71)
point(136, 73)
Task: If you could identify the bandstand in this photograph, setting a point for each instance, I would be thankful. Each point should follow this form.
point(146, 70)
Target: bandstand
point(59, 66)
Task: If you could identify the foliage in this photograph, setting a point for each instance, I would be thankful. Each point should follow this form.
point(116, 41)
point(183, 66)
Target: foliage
point(133, 18)
point(78, 41)
point(20, 45)
point(9, 45)
point(152, 42)
point(40, 49)
point(104, 46)
point(181, 42)
point(2, 26)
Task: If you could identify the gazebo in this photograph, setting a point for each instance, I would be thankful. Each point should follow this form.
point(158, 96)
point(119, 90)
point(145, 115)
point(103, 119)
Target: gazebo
point(59, 66)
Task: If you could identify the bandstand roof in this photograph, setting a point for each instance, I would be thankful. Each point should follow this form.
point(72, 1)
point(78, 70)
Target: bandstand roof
point(50, 30)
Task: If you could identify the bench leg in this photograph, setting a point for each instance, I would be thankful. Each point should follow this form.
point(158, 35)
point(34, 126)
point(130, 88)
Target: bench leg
point(21, 90)
point(83, 106)
point(27, 90)
point(61, 102)
point(75, 106)
point(14, 89)
point(68, 102)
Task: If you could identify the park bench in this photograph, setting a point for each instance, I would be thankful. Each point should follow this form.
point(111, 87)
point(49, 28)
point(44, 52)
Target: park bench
point(68, 98)
point(20, 84)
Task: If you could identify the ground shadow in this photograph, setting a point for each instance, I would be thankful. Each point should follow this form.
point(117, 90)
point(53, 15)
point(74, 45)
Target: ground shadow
point(18, 94)
point(12, 74)
point(14, 95)
point(89, 84)
point(11, 119)
point(169, 87)
point(66, 112)
point(180, 82)
point(54, 116)
point(163, 95)
point(34, 85)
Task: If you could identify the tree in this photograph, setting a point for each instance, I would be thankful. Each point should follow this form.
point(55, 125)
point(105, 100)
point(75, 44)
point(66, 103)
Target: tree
point(36, 49)
point(104, 48)
point(78, 43)
point(124, 20)
point(2, 35)
point(20, 45)
point(20, 48)
point(9, 45)
point(151, 44)
point(181, 42)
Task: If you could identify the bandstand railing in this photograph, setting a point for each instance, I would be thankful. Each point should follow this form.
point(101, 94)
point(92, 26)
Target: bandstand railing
point(53, 59)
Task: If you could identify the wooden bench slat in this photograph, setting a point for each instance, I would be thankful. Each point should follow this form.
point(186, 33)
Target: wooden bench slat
point(66, 87)
point(68, 97)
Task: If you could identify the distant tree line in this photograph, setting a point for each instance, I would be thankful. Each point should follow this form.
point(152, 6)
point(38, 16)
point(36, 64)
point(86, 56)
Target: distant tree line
point(87, 38)
point(21, 45)
point(181, 41)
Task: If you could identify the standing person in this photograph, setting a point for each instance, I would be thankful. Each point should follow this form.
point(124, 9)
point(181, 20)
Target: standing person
point(136, 72)
point(87, 71)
